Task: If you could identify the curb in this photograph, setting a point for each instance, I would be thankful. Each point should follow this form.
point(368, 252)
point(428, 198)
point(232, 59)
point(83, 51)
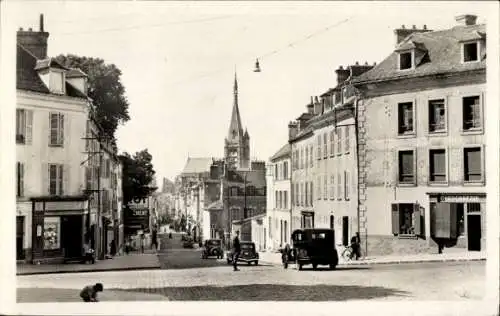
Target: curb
point(365, 263)
point(89, 270)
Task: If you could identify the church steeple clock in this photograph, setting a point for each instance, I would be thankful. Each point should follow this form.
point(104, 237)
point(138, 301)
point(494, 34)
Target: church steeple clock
point(237, 143)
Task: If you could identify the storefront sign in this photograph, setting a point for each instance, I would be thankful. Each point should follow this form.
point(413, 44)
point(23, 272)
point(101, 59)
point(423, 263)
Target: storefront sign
point(64, 205)
point(461, 199)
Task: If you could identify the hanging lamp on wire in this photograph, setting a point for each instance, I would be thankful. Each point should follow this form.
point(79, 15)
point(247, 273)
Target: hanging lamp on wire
point(257, 66)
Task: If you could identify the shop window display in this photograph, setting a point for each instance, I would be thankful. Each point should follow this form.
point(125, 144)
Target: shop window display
point(52, 233)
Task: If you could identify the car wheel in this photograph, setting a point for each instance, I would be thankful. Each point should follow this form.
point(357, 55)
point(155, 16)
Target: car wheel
point(315, 266)
point(300, 267)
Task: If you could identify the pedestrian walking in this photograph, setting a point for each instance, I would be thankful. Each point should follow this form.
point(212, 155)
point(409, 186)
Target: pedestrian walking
point(112, 248)
point(142, 242)
point(236, 250)
point(355, 245)
point(89, 293)
point(154, 240)
point(88, 253)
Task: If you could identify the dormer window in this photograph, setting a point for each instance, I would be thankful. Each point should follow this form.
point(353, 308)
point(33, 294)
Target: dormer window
point(470, 52)
point(405, 60)
point(56, 83)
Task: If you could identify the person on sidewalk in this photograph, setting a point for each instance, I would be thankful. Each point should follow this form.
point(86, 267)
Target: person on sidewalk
point(154, 241)
point(112, 248)
point(236, 250)
point(355, 245)
point(143, 240)
point(88, 253)
point(89, 293)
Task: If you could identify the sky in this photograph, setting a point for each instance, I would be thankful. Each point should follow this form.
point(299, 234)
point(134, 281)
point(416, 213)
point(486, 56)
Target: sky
point(178, 61)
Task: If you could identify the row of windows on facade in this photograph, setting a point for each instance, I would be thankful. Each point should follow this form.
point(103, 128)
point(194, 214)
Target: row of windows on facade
point(238, 213)
point(24, 128)
point(304, 157)
point(473, 165)
point(57, 180)
point(281, 171)
point(470, 53)
point(283, 226)
point(472, 116)
point(326, 188)
point(250, 191)
point(407, 218)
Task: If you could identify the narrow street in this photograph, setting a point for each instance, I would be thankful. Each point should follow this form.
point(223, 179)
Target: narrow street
point(185, 276)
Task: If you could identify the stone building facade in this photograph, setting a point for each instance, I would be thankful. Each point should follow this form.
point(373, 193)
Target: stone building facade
point(421, 142)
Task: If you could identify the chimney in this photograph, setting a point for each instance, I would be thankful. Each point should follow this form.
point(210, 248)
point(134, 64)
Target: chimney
point(310, 107)
point(317, 106)
point(293, 130)
point(466, 19)
point(342, 74)
point(403, 32)
point(34, 42)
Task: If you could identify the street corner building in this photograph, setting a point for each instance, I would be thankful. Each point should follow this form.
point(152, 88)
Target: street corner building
point(421, 142)
point(54, 202)
point(277, 229)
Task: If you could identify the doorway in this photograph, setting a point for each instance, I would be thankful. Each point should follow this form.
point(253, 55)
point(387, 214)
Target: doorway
point(71, 236)
point(345, 230)
point(20, 238)
point(474, 232)
point(332, 222)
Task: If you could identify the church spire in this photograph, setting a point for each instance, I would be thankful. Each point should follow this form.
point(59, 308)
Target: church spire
point(235, 126)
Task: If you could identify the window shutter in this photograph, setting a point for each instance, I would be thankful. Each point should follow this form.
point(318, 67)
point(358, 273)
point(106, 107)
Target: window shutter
point(395, 219)
point(476, 112)
point(416, 215)
point(29, 126)
point(61, 129)
point(53, 134)
point(65, 189)
point(21, 179)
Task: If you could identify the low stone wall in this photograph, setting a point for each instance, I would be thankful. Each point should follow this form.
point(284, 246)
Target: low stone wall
point(393, 245)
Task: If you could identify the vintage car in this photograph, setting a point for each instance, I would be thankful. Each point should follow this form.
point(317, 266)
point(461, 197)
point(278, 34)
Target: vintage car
point(311, 246)
point(188, 243)
point(212, 248)
point(248, 253)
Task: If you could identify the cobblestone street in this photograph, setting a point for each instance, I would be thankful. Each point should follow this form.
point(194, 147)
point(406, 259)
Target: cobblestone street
point(213, 279)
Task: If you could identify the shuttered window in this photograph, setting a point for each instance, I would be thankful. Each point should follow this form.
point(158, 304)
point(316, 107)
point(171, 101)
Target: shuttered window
point(325, 145)
point(332, 186)
point(347, 185)
point(472, 116)
point(319, 146)
point(405, 118)
point(318, 188)
point(56, 179)
point(332, 143)
point(347, 140)
point(20, 179)
point(312, 193)
point(306, 163)
point(311, 152)
point(437, 116)
point(473, 164)
point(406, 166)
point(56, 129)
point(437, 159)
point(339, 186)
point(325, 187)
point(406, 219)
point(339, 140)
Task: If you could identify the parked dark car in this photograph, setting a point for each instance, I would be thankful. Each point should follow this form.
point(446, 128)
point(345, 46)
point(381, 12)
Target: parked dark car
point(248, 253)
point(212, 248)
point(312, 246)
point(188, 243)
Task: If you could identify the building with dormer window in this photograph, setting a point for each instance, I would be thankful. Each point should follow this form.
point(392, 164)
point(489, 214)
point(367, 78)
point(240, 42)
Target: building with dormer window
point(421, 142)
point(51, 113)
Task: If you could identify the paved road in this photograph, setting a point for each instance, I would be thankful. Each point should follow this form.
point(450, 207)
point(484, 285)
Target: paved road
point(214, 280)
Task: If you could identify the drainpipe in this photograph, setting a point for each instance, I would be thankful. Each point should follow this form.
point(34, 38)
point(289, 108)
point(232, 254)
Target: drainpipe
point(356, 133)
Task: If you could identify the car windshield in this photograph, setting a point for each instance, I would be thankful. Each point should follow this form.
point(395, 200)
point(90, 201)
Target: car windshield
point(318, 236)
point(247, 246)
point(214, 242)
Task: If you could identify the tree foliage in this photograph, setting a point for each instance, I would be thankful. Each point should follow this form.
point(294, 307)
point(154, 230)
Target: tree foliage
point(104, 88)
point(138, 174)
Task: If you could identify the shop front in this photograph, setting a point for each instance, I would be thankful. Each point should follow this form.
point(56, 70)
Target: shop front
point(58, 229)
point(459, 219)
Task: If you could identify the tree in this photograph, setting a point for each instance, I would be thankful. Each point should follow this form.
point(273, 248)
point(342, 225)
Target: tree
point(104, 88)
point(138, 174)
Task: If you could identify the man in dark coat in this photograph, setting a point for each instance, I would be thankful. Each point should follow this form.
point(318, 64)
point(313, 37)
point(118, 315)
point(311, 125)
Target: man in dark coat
point(236, 250)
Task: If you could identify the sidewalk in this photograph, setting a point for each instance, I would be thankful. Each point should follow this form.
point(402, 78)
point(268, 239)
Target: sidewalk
point(275, 258)
point(132, 261)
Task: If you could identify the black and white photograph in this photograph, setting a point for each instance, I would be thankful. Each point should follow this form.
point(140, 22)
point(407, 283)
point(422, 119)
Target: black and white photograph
point(157, 155)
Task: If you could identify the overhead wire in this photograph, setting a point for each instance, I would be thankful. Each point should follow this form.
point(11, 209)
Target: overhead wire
point(262, 57)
